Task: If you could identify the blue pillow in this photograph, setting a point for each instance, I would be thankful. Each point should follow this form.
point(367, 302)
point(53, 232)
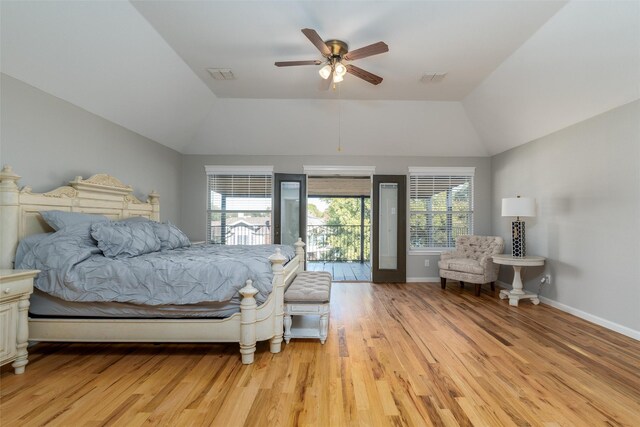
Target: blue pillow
point(27, 244)
point(135, 219)
point(125, 239)
point(171, 237)
point(61, 219)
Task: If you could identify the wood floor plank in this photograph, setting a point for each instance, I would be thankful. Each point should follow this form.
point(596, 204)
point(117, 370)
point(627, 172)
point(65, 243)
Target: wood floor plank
point(396, 355)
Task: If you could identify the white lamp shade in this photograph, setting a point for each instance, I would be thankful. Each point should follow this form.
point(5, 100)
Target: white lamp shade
point(519, 206)
point(325, 71)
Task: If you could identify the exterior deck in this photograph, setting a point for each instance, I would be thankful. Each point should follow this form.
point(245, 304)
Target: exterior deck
point(343, 271)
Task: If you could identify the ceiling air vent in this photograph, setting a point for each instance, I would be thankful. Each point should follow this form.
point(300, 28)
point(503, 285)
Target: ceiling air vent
point(221, 73)
point(432, 77)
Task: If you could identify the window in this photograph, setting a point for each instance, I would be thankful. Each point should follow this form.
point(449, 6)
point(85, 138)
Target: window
point(440, 206)
point(239, 205)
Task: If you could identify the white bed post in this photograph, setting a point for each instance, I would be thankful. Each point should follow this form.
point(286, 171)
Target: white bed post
point(154, 199)
point(248, 323)
point(300, 253)
point(277, 263)
point(22, 337)
point(301, 264)
point(9, 216)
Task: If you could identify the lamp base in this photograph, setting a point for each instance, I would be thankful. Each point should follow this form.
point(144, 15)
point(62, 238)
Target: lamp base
point(517, 235)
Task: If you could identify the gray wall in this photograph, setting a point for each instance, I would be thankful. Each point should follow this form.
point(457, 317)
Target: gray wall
point(49, 141)
point(586, 179)
point(194, 187)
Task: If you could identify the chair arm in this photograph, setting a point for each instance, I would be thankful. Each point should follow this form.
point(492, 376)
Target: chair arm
point(490, 268)
point(486, 261)
point(450, 254)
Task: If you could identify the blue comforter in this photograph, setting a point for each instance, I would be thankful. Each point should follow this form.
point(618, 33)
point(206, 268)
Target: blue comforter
point(74, 269)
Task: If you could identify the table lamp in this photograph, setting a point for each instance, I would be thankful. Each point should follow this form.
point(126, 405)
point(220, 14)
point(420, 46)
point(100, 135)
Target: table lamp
point(518, 206)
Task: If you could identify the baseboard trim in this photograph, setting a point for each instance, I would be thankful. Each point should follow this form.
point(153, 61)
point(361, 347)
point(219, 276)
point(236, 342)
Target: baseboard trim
point(423, 279)
point(632, 333)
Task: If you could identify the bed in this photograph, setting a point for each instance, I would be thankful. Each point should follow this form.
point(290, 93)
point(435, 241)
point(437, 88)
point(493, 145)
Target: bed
point(105, 195)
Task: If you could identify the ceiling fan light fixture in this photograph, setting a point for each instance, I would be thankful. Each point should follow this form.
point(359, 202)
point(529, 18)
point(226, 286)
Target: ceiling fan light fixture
point(340, 69)
point(325, 71)
point(333, 53)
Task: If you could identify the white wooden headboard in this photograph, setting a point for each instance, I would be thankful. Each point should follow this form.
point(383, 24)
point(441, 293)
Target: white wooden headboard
point(101, 194)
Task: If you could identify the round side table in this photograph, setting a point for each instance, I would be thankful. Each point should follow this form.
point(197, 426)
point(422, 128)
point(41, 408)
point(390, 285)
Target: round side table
point(517, 293)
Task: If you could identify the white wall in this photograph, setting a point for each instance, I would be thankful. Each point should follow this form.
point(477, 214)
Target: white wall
point(313, 126)
point(586, 179)
point(106, 58)
point(49, 141)
point(194, 187)
point(584, 61)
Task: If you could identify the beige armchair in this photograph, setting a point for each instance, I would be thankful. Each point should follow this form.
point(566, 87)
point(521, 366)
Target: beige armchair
point(471, 261)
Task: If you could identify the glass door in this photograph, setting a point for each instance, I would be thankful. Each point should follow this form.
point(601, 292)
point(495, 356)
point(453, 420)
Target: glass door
point(389, 255)
point(289, 208)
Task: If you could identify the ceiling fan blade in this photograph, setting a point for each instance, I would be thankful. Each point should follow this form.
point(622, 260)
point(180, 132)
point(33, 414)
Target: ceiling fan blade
point(364, 75)
point(317, 41)
point(363, 52)
point(324, 84)
point(294, 63)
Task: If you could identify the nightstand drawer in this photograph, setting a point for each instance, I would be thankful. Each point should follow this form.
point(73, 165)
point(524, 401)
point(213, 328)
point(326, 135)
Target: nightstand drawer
point(13, 289)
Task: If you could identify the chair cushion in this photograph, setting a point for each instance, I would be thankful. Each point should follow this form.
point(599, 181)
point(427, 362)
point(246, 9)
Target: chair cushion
point(477, 247)
point(464, 265)
point(309, 287)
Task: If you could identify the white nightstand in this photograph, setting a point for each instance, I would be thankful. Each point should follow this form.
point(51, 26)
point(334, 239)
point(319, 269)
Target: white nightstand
point(15, 288)
point(517, 293)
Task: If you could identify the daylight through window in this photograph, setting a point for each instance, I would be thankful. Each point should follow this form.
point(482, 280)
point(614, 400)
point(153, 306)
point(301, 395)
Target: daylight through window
point(239, 207)
point(440, 206)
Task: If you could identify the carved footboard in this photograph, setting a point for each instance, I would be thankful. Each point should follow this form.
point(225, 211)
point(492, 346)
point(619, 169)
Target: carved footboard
point(266, 322)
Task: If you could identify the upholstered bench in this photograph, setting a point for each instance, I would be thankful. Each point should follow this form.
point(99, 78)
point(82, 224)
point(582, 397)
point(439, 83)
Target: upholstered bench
point(308, 294)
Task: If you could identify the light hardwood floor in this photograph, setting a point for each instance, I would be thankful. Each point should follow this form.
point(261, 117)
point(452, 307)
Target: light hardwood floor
point(408, 354)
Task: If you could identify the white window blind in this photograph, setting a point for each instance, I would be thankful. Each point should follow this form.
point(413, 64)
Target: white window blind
point(440, 206)
point(239, 207)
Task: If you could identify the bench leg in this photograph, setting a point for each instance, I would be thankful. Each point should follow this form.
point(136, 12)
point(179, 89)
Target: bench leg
point(287, 327)
point(324, 327)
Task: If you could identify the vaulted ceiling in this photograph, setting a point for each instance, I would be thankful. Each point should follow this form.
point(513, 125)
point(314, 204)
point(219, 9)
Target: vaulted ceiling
point(516, 71)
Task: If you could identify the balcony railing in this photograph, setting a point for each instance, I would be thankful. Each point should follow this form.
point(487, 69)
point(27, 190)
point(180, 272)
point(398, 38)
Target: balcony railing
point(240, 235)
point(338, 243)
point(330, 243)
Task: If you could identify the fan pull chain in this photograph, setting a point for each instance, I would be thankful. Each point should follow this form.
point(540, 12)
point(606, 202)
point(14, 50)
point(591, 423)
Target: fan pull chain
point(339, 120)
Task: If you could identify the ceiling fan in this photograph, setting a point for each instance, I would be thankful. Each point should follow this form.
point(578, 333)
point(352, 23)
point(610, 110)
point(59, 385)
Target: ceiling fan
point(335, 53)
